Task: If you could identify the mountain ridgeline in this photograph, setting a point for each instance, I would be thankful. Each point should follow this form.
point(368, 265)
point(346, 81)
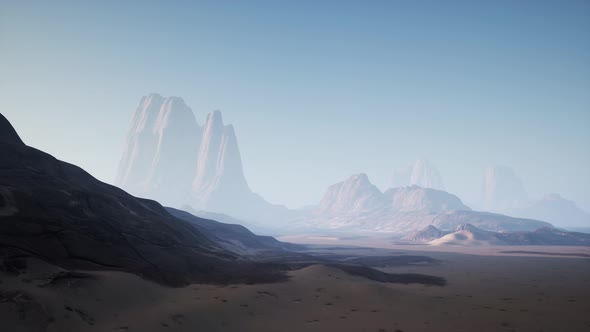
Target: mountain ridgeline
point(171, 158)
point(358, 204)
point(57, 212)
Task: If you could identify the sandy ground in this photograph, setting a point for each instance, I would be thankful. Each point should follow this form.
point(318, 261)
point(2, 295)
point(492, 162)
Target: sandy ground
point(484, 293)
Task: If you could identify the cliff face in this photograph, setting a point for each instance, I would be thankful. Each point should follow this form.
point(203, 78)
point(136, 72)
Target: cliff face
point(170, 158)
point(219, 176)
point(161, 150)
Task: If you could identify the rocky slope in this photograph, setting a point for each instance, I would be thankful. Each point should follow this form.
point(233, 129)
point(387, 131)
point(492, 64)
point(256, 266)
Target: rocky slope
point(356, 195)
point(236, 238)
point(56, 211)
point(554, 209)
point(423, 200)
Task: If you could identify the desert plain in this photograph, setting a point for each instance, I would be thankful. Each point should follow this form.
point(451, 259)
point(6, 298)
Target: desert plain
point(506, 289)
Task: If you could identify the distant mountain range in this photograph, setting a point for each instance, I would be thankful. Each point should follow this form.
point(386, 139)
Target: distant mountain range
point(357, 204)
point(555, 209)
point(169, 157)
point(503, 192)
point(469, 235)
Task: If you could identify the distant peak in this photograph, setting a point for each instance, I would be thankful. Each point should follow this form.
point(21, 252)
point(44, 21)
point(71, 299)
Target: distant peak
point(229, 130)
point(359, 179)
point(216, 114)
point(175, 105)
point(359, 176)
point(7, 132)
point(214, 119)
point(152, 96)
point(175, 100)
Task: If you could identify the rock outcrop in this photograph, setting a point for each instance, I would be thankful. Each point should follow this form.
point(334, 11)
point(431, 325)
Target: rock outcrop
point(502, 189)
point(422, 173)
point(355, 195)
point(170, 158)
point(161, 150)
point(7, 133)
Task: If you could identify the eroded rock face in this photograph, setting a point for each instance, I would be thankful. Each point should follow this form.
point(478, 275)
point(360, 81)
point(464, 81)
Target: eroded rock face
point(219, 178)
point(170, 158)
point(161, 150)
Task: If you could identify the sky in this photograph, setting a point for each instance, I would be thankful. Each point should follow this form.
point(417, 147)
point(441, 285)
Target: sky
point(316, 90)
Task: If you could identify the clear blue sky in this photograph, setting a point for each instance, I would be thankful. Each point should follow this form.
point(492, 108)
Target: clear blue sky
point(317, 90)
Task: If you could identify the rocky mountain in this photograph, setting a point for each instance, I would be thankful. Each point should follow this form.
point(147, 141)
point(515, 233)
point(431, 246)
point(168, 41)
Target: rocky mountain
point(355, 195)
point(170, 158)
point(422, 173)
point(356, 204)
point(219, 172)
point(469, 235)
point(424, 200)
point(57, 212)
point(161, 150)
point(554, 209)
point(236, 238)
point(502, 189)
point(425, 235)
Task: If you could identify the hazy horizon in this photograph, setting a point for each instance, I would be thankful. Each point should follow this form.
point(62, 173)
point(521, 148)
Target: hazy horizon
point(316, 92)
